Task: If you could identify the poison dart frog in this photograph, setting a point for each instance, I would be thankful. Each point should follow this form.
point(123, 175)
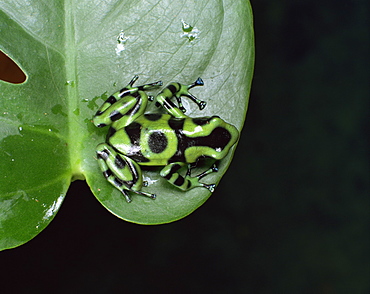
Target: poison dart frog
point(172, 139)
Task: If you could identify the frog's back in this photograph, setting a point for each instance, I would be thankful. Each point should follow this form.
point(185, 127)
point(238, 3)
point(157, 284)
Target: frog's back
point(159, 139)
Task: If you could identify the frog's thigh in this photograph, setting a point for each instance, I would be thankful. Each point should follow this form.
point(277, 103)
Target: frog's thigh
point(119, 169)
point(170, 173)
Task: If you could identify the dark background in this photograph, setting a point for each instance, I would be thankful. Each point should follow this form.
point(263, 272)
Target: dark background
point(290, 216)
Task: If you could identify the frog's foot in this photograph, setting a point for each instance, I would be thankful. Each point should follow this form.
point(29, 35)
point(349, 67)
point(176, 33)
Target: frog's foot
point(170, 173)
point(130, 88)
point(146, 86)
point(212, 169)
point(133, 80)
point(128, 198)
point(178, 90)
point(184, 91)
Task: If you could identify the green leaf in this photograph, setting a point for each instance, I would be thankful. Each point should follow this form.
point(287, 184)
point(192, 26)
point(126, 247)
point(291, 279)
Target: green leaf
point(74, 54)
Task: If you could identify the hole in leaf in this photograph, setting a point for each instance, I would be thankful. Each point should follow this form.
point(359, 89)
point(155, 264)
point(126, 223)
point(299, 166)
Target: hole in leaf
point(10, 71)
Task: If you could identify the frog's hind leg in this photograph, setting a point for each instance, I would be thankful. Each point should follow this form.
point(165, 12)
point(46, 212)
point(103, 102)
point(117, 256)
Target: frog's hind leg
point(184, 91)
point(129, 100)
point(170, 173)
point(178, 90)
point(121, 171)
point(128, 90)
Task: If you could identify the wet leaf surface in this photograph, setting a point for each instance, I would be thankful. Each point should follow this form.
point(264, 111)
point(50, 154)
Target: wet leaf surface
point(74, 54)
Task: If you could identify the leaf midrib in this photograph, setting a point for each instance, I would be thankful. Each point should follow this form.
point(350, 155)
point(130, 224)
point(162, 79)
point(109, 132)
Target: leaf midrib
point(75, 132)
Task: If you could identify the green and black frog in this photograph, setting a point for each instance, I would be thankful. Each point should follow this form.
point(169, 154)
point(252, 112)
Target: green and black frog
point(172, 139)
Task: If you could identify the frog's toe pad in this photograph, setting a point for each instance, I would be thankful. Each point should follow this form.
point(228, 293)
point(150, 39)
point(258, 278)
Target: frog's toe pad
point(210, 187)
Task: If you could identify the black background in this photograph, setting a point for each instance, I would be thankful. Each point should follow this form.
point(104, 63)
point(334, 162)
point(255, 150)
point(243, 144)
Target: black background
point(290, 216)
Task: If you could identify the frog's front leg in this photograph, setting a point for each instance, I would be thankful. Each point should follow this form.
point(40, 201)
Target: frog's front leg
point(121, 171)
point(125, 105)
point(177, 90)
point(170, 173)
